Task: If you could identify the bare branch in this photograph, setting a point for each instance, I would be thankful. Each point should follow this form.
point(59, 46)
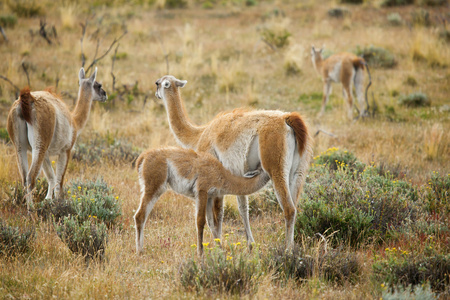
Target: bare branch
point(83, 33)
point(25, 69)
point(323, 131)
point(107, 51)
point(11, 83)
point(3, 34)
point(112, 69)
point(43, 32)
point(269, 44)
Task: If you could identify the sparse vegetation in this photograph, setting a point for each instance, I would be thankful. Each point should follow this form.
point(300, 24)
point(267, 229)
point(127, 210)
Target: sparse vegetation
point(400, 158)
point(377, 57)
point(414, 100)
point(14, 241)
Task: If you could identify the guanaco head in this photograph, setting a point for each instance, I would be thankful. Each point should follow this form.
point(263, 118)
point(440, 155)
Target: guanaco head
point(167, 85)
point(316, 56)
point(91, 88)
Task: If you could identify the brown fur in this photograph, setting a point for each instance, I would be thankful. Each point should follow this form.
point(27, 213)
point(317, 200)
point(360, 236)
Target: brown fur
point(295, 121)
point(160, 167)
point(26, 100)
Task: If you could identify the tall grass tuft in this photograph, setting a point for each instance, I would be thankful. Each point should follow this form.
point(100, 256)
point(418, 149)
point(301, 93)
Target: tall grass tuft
point(433, 145)
point(14, 241)
point(430, 49)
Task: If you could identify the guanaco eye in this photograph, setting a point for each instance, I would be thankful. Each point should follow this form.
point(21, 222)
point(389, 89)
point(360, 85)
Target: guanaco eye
point(166, 84)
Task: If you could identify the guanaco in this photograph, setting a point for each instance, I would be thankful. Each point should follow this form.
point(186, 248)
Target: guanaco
point(245, 140)
point(40, 122)
point(347, 69)
point(193, 174)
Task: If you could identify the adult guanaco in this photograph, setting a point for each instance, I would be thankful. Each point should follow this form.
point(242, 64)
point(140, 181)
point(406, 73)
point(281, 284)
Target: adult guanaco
point(196, 175)
point(41, 122)
point(245, 140)
point(348, 69)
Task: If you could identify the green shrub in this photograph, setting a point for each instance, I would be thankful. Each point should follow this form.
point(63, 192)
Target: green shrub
point(104, 148)
point(350, 225)
point(421, 17)
point(414, 100)
point(8, 21)
point(25, 8)
point(395, 19)
point(278, 39)
point(55, 209)
point(251, 2)
point(4, 136)
point(397, 2)
point(95, 199)
point(338, 12)
point(175, 4)
point(401, 268)
point(422, 292)
point(14, 241)
point(235, 272)
point(334, 265)
point(433, 2)
point(444, 34)
point(437, 194)
point(352, 1)
point(411, 81)
point(87, 238)
point(335, 159)
point(377, 57)
point(360, 206)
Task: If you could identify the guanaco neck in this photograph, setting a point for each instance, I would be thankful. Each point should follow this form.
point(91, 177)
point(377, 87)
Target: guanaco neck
point(237, 185)
point(318, 63)
point(80, 114)
point(182, 127)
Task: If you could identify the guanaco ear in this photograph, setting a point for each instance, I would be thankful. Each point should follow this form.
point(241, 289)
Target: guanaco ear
point(180, 83)
point(313, 49)
point(93, 76)
point(81, 74)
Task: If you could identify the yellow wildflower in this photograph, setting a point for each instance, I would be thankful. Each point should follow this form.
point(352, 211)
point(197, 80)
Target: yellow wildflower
point(205, 244)
point(193, 246)
point(79, 188)
point(229, 257)
point(217, 240)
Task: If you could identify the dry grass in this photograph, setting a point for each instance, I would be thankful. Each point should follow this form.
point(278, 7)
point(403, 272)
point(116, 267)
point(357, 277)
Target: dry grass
point(220, 53)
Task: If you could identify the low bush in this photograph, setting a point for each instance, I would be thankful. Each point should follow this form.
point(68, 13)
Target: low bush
point(14, 241)
point(100, 148)
point(423, 292)
point(397, 2)
point(276, 38)
point(4, 136)
point(358, 206)
point(338, 12)
point(421, 17)
point(25, 8)
point(8, 21)
point(395, 19)
point(437, 194)
point(401, 268)
point(175, 4)
point(95, 199)
point(87, 238)
point(414, 100)
point(230, 271)
point(300, 264)
point(334, 159)
point(377, 57)
point(352, 1)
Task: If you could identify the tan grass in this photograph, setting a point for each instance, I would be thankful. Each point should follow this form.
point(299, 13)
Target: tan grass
point(427, 47)
point(434, 147)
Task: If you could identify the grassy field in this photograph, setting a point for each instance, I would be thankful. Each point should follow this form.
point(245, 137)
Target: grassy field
point(378, 190)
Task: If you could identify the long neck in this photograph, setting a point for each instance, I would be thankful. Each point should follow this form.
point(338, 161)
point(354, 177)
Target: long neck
point(81, 112)
point(184, 130)
point(237, 185)
point(318, 62)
